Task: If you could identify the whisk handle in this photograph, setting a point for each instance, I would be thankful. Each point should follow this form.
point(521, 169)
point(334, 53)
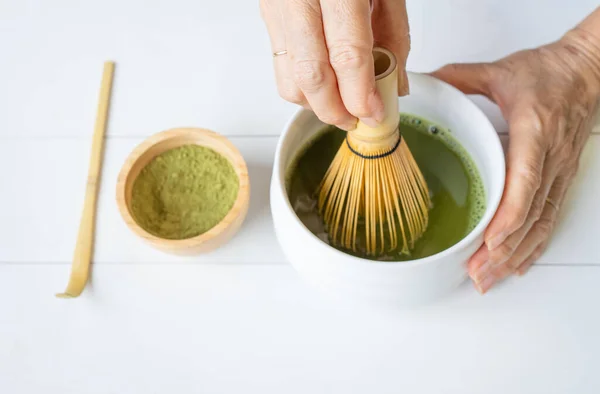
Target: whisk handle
point(386, 83)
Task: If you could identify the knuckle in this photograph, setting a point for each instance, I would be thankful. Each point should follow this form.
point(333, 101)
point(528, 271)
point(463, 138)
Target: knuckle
point(504, 270)
point(504, 251)
point(544, 227)
point(513, 264)
point(536, 209)
point(530, 120)
point(579, 111)
point(348, 57)
point(544, 113)
point(563, 180)
point(359, 108)
point(516, 219)
point(530, 173)
point(292, 95)
point(333, 119)
point(310, 75)
point(560, 153)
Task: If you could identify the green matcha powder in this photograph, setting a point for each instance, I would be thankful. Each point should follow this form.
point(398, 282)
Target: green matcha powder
point(184, 192)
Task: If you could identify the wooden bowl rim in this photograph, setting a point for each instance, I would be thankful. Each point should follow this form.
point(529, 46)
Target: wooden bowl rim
point(238, 163)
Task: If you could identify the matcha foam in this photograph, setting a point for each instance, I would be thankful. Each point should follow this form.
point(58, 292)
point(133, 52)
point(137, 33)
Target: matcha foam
point(475, 183)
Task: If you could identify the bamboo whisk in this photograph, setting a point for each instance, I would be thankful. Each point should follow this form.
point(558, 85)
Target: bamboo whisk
point(374, 181)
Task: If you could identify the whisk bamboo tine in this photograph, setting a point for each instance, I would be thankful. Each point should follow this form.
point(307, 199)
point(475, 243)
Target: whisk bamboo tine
point(83, 251)
point(374, 176)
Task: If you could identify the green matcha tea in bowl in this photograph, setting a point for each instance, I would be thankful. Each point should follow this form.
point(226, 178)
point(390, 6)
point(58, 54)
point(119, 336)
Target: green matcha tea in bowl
point(184, 190)
point(455, 187)
point(460, 156)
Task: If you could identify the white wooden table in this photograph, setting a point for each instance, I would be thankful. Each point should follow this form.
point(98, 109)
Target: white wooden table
point(240, 320)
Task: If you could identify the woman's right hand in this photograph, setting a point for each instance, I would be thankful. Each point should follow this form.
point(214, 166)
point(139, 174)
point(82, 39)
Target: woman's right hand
point(328, 63)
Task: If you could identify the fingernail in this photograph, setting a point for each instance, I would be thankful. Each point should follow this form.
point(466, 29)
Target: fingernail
point(496, 240)
point(485, 285)
point(371, 122)
point(482, 271)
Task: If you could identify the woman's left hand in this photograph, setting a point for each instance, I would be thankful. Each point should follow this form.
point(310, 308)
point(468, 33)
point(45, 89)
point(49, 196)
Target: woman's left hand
point(549, 97)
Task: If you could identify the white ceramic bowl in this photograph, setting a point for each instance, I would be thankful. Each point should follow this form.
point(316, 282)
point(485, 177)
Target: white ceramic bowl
point(401, 283)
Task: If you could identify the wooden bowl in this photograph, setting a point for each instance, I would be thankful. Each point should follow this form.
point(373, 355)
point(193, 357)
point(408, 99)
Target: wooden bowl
point(170, 139)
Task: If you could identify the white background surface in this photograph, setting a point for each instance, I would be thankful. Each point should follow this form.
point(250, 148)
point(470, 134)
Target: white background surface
point(240, 320)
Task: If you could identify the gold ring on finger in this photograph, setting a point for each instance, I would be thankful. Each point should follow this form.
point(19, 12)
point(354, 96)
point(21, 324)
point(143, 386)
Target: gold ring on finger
point(279, 53)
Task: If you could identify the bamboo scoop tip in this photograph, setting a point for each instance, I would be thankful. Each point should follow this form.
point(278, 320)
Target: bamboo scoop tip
point(109, 67)
point(64, 295)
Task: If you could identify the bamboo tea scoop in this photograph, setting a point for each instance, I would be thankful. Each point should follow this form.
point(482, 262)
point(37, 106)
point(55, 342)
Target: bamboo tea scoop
point(80, 267)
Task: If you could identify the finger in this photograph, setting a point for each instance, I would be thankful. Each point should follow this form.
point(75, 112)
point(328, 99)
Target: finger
point(534, 243)
point(529, 261)
point(469, 78)
point(487, 274)
point(539, 232)
point(495, 275)
point(391, 31)
point(310, 62)
point(545, 225)
point(286, 87)
point(509, 247)
point(526, 156)
point(347, 27)
point(476, 262)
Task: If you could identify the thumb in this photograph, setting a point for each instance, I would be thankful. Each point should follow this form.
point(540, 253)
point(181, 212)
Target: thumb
point(470, 78)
